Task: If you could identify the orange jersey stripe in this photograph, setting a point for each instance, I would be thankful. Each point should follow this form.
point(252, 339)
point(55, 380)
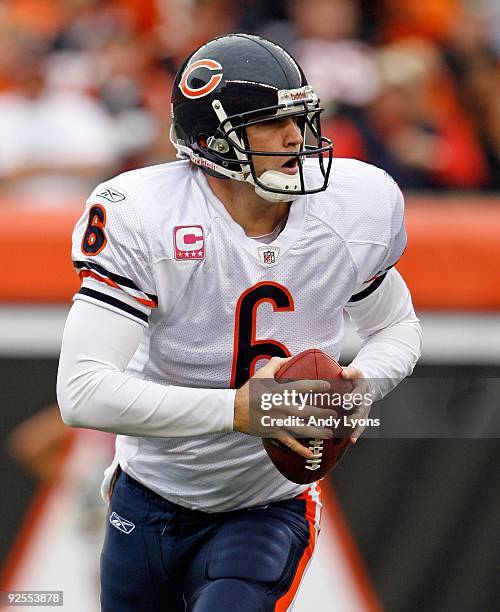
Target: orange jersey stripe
point(284, 602)
point(84, 273)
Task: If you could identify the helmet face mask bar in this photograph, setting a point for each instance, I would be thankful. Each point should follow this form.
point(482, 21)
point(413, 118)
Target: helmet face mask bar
point(210, 126)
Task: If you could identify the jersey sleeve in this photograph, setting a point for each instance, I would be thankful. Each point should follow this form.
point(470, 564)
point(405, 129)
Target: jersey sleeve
point(381, 249)
point(111, 255)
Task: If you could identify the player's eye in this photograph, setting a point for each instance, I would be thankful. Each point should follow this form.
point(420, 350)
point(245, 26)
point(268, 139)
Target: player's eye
point(283, 121)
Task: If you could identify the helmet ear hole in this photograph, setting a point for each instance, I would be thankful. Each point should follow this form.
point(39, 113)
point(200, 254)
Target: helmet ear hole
point(202, 141)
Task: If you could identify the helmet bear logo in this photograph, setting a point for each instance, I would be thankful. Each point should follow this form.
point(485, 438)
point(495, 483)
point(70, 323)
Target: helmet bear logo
point(204, 88)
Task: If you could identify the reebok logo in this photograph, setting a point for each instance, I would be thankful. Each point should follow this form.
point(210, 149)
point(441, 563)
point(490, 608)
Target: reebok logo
point(121, 524)
point(111, 195)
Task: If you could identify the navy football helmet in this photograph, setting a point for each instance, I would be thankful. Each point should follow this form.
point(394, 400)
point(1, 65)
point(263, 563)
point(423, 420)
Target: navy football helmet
point(239, 80)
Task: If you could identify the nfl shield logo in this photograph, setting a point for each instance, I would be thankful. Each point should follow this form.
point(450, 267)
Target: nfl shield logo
point(268, 255)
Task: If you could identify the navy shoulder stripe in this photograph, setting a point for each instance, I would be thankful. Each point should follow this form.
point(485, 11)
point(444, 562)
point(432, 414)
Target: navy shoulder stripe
point(103, 297)
point(116, 278)
point(370, 289)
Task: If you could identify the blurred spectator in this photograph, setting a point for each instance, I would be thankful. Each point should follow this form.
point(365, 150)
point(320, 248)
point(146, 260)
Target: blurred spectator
point(124, 70)
point(491, 9)
point(340, 66)
point(92, 23)
point(327, 20)
point(414, 127)
point(52, 140)
point(38, 19)
point(73, 108)
point(324, 37)
point(474, 61)
point(396, 106)
point(186, 24)
point(342, 72)
point(431, 19)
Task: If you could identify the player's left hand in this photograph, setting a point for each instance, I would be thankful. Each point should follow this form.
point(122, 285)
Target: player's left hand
point(361, 386)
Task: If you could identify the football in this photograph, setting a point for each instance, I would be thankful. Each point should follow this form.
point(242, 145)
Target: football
point(312, 364)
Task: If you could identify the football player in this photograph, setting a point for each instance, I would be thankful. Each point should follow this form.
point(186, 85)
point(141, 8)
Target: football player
point(198, 275)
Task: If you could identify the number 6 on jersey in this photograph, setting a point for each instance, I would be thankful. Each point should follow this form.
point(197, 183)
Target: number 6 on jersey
point(94, 239)
point(248, 350)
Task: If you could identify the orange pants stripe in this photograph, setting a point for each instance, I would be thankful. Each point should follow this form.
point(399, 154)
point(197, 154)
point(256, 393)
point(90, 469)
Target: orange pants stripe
point(313, 514)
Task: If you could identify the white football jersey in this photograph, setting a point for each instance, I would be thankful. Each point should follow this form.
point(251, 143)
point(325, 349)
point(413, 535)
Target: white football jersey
point(157, 246)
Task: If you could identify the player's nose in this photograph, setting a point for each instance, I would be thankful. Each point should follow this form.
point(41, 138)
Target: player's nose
point(292, 134)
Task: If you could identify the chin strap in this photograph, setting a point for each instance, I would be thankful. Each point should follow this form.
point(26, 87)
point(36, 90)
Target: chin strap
point(276, 180)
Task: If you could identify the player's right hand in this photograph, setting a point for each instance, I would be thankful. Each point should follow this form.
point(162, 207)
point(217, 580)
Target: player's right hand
point(243, 408)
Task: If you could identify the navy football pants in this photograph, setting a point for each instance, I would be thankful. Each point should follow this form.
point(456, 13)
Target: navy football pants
point(161, 557)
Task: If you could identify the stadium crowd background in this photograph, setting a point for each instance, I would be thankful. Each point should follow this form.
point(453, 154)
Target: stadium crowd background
point(410, 85)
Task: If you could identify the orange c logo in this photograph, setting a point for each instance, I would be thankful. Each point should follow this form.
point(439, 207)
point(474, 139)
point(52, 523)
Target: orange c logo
point(215, 79)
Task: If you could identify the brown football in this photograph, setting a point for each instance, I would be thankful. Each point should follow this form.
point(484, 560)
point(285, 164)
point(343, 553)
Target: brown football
point(312, 364)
